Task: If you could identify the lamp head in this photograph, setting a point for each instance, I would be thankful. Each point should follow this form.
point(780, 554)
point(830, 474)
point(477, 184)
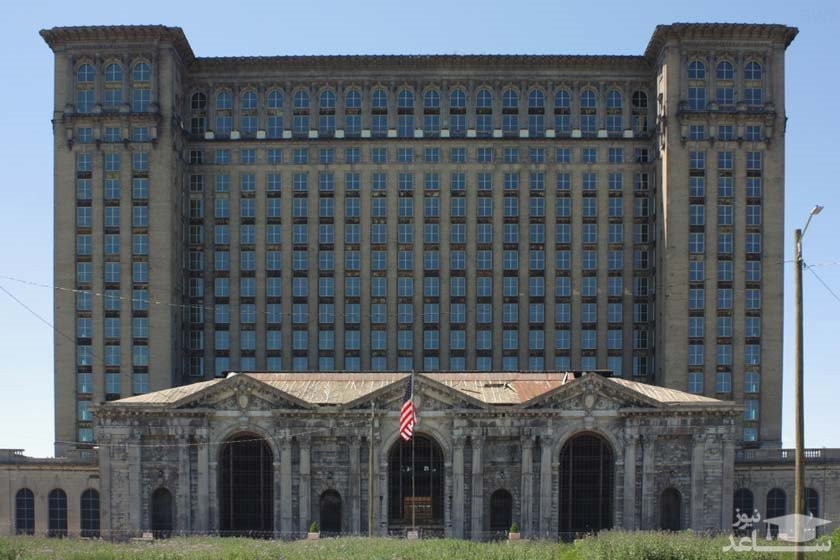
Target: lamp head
point(816, 210)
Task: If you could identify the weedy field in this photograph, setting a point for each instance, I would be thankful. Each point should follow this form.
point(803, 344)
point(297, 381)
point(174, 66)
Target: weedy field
point(612, 545)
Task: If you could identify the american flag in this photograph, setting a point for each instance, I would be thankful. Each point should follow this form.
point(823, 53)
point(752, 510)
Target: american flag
point(408, 414)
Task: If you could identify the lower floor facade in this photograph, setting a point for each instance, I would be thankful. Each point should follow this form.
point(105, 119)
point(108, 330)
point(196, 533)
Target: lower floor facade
point(560, 455)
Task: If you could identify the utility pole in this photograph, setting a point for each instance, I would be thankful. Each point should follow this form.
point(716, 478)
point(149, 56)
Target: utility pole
point(799, 469)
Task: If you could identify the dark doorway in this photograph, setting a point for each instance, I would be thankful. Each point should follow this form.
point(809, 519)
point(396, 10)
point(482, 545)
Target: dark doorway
point(162, 513)
point(330, 513)
point(743, 503)
point(246, 487)
point(776, 505)
point(24, 512)
point(586, 486)
point(670, 510)
point(415, 486)
point(501, 510)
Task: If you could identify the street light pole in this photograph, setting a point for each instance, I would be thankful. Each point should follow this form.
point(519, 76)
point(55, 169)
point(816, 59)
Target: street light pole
point(799, 469)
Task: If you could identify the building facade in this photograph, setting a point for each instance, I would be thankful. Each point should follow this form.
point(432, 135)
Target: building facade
point(428, 213)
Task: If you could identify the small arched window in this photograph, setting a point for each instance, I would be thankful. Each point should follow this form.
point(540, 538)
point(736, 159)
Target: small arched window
point(776, 507)
point(588, 100)
point(588, 112)
point(89, 513)
point(275, 100)
point(301, 100)
point(615, 122)
point(510, 99)
point(614, 100)
point(458, 112)
point(484, 99)
point(405, 100)
point(353, 113)
point(57, 513)
point(85, 74)
point(326, 100)
point(696, 70)
point(743, 503)
point(752, 71)
point(431, 99)
point(484, 112)
point(198, 102)
point(249, 101)
point(640, 100)
point(812, 502)
point(562, 112)
point(536, 99)
point(724, 70)
point(113, 73)
point(24, 512)
point(562, 100)
point(458, 99)
point(353, 99)
point(379, 100)
point(224, 101)
point(142, 72)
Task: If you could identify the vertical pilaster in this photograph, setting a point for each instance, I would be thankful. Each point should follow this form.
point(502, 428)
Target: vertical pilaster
point(203, 521)
point(286, 525)
point(458, 488)
point(545, 487)
point(527, 493)
point(135, 499)
point(697, 487)
point(304, 493)
point(355, 486)
point(629, 511)
point(183, 523)
point(648, 502)
point(728, 486)
point(477, 487)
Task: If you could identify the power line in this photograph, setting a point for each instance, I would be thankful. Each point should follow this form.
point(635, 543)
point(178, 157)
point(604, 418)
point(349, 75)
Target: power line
point(826, 286)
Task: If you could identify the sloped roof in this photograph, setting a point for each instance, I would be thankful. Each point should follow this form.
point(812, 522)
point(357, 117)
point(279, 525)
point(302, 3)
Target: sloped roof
point(493, 388)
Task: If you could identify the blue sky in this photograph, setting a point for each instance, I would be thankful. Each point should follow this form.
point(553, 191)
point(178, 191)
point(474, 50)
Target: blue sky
point(431, 26)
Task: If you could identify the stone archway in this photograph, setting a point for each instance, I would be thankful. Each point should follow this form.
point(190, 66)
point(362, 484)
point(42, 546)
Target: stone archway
point(670, 510)
point(330, 512)
point(246, 487)
point(587, 474)
point(501, 510)
point(162, 516)
point(416, 483)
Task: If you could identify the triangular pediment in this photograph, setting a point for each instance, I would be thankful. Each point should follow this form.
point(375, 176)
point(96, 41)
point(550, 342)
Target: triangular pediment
point(429, 395)
point(588, 393)
point(242, 392)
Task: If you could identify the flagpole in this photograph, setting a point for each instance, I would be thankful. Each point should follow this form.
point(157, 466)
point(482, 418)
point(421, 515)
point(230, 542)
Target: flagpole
point(413, 467)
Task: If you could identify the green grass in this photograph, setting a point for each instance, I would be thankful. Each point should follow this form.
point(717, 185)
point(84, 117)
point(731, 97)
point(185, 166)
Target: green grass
point(612, 545)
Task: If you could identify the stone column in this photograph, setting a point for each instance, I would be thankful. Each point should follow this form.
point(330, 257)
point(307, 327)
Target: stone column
point(477, 488)
point(203, 522)
point(728, 486)
point(286, 523)
point(355, 486)
point(698, 452)
point(304, 492)
point(183, 523)
point(629, 512)
point(527, 495)
point(106, 442)
point(648, 499)
point(135, 485)
point(545, 487)
point(458, 487)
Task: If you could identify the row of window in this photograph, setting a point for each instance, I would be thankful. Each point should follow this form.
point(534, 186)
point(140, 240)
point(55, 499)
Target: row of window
point(112, 90)
point(57, 513)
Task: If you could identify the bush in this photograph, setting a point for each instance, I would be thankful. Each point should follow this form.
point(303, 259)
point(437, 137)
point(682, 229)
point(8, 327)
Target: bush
point(313, 527)
point(514, 528)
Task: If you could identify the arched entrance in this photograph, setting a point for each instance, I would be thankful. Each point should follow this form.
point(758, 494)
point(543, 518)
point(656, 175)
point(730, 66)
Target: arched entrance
point(246, 483)
point(743, 503)
point(670, 510)
point(415, 483)
point(587, 465)
point(162, 513)
point(330, 512)
point(776, 506)
point(501, 510)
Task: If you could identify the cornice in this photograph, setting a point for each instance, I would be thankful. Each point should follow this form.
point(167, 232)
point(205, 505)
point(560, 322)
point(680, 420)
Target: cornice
point(58, 37)
point(718, 32)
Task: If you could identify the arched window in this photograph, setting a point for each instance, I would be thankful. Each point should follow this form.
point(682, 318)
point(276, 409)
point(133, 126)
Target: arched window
point(587, 465)
point(696, 70)
point(812, 502)
point(248, 119)
point(405, 114)
point(724, 70)
point(379, 112)
point(431, 112)
point(458, 112)
point(198, 118)
point(113, 97)
point(753, 94)
point(536, 113)
point(353, 113)
point(776, 507)
point(501, 510)
point(743, 503)
point(85, 93)
point(113, 73)
point(640, 110)
point(162, 513)
point(588, 112)
point(425, 498)
point(330, 512)
point(510, 112)
point(670, 510)
point(326, 113)
point(484, 112)
point(224, 114)
point(752, 71)
point(198, 102)
point(246, 504)
point(300, 119)
point(141, 87)
point(57, 513)
point(24, 512)
point(274, 120)
point(562, 112)
point(89, 513)
point(615, 121)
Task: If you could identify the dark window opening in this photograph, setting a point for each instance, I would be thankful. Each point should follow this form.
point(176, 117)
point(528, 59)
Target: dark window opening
point(586, 486)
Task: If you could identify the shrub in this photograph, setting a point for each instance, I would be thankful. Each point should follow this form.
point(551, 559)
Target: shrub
point(313, 527)
point(514, 528)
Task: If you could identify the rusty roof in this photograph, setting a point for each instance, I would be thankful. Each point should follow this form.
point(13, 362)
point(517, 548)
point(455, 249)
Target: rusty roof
point(492, 388)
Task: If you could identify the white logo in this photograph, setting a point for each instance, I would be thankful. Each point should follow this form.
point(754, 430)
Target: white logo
point(787, 530)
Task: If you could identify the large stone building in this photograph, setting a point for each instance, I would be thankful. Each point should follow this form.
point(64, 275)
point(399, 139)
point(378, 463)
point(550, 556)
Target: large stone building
point(389, 214)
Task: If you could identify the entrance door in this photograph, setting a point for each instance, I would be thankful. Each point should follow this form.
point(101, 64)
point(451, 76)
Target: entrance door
point(330, 513)
point(246, 487)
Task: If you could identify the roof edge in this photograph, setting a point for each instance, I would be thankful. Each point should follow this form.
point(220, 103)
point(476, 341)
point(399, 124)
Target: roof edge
point(60, 36)
point(756, 31)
